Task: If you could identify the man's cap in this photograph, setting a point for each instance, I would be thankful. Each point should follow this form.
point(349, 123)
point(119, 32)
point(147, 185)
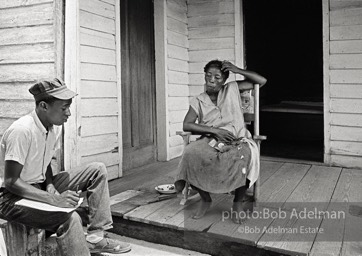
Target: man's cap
point(56, 88)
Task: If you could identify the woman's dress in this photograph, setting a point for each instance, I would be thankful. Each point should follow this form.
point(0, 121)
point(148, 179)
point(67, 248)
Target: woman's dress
point(206, 167)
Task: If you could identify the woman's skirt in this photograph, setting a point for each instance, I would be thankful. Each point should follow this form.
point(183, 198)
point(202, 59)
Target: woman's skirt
point(214, 171)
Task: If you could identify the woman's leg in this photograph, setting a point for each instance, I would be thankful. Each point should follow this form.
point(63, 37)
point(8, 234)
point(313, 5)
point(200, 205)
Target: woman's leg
point(238, 204)
point(205, 203)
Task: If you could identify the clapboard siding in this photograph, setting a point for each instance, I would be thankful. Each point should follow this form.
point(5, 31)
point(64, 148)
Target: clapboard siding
point(345, 78)
point(27, 53)
point(177, 68)
point(346, 46)
point(99, 106)
point(31, 15)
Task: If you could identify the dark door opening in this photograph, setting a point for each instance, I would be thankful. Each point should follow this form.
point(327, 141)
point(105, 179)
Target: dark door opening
point(283, 42)
point(138, 83)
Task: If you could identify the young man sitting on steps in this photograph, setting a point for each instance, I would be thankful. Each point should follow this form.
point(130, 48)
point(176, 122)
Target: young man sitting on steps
point(26, 150)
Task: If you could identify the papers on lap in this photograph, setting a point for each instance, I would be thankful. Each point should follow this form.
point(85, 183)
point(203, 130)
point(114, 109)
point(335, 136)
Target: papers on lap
point(46, 207)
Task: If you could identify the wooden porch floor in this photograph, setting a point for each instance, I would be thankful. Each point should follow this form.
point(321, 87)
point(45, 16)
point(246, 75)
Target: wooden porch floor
point(284, 185)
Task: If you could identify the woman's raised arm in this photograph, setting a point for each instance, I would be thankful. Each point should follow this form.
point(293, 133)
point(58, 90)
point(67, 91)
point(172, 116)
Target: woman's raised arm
point(251, 77)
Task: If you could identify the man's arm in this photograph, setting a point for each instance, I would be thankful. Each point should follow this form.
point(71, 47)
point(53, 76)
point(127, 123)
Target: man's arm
point(17, 186)
point(49, 181)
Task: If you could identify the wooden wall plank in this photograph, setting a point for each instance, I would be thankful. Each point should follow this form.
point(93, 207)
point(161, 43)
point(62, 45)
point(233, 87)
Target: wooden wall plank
point(98, 72)
point(338, 4)
point(108, 1)
point(98, 89)
point(177, 52)
point(346, 161)
point(95, 22)
point(212, 32)
point(92, 126)
point(18, 3)
point(91, 54)
point(180, 4)
point(178, 90)
point(346, 106)
point(27, 16)
point(347, 119)
point(26, 35)
point(177, 116)
point(176, 26)
point(196, 89)
point(178, 103)
point(175, 127)
point(98, 7)
point(98, 39)
point(98, 144)
point(178, 39)
point(197, 79)
point(97, 107)
point(346, 91)
point(207, 8)
point(27, 53)
point(214, 20)
point(108, 158)
point(4, 124)
point(175, 141)
point(341, 133)
point(350, 148)
point(346, 32)
point(178, 65)
point(26, 72)
point(345, 76)
point(191, 2)
point(345, 17)
point(345, 61)
point(207, 55)
point(16, 109)
point(346, 46)
point(13, 91)
point(197, 67)
point(174, 11)
point(176, 77)
point(212, 43)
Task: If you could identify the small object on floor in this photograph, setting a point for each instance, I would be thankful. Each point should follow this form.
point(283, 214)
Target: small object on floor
point(166, 189)
point(109, 247)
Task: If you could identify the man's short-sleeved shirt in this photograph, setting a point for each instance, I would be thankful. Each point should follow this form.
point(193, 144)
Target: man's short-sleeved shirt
point(27, 142)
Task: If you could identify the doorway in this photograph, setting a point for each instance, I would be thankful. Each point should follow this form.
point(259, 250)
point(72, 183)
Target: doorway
point(283, 42)
point(138, 83)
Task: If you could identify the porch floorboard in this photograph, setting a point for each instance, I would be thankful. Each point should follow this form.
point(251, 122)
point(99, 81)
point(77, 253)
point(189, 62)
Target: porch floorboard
point(138, 213)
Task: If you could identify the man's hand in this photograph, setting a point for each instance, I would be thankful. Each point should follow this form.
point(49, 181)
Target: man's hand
point(52, 190)
point(223, 135)
point(66, 199)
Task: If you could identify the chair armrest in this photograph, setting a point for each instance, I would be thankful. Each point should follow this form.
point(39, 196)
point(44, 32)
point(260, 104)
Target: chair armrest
point(182, 133)
point(259, 137)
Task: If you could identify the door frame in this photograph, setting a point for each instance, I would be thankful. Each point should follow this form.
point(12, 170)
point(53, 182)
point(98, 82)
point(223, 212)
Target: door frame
point(72, 129)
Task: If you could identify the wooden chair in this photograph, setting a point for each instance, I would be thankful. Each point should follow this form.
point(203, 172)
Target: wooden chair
point(250, 106)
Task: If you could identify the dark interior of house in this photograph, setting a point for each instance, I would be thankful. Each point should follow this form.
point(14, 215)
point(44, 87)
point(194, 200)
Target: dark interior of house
point(283, 42)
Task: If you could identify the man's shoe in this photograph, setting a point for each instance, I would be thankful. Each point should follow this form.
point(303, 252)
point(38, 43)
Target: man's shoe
point(109, 247)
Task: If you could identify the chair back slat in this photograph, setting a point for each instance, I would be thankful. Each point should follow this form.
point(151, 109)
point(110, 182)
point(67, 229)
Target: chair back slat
point(247, 105)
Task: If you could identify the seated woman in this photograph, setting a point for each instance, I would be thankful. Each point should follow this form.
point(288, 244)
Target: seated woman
point(220, 118)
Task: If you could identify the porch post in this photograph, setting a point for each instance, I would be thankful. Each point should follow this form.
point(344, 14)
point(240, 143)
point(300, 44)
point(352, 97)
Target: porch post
point(326, 84)
point(160, 23)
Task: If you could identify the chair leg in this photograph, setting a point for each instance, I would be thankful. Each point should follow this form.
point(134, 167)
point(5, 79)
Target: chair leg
point(185, 193)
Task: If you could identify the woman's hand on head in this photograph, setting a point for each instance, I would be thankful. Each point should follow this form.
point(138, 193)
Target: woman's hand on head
point(223, 135)
point(228, 66)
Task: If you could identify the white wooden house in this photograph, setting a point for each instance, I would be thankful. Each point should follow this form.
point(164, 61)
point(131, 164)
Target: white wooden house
point(135, 64)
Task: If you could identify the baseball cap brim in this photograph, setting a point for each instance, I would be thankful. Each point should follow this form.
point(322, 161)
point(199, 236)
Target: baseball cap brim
point(64, 94)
